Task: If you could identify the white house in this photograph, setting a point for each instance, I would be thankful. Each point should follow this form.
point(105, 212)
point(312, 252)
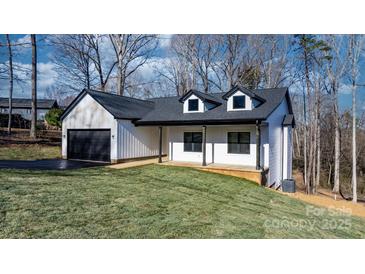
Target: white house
point(241, 127)
point(23, 107)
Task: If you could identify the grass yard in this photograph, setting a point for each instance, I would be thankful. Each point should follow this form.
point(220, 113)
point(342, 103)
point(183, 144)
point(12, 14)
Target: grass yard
point(155, 202)
point(29, 152)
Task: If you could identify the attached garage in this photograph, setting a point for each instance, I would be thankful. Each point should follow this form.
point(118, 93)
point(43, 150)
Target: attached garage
point(89, 144)
point(98, 126)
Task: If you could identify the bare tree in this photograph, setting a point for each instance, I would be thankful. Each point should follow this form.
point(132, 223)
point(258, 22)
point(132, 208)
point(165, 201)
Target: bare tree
point(72, 57)
point(34, 87)
point(355, 48)
point(335, 72)
point(104, 69)
point(310, 51)
point(274, 61)
point(132, 51)
point(201, 52)
point(174, 72)
point(232, 57)
point(11, 81)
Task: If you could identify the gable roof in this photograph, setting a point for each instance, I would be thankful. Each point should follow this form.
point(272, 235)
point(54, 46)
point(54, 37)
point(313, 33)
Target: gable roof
point(203, 96)
point(168, 111)
point(27, 103)
point(250, 93)
point(121, 107)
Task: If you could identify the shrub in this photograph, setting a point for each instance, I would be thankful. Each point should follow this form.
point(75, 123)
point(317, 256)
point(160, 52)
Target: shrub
point(53, 117)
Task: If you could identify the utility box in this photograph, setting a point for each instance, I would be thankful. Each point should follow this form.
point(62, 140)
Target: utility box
point(288, 185)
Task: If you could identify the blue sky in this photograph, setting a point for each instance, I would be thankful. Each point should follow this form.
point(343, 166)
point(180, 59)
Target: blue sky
point(47, 76)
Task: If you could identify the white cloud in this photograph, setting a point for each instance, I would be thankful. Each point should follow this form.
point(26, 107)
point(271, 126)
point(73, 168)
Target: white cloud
point(47, 75)
point(165, 40)
point(24, 40)
point(345, 89)
point(47, 78)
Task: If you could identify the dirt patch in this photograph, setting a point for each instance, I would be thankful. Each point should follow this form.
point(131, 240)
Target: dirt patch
point(326, 198)
point(22, 136)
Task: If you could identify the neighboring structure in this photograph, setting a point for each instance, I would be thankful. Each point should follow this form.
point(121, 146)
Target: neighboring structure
point(241, 127)
point(24, 107)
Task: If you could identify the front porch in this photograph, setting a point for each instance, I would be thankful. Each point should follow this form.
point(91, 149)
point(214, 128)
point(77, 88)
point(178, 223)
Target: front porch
point(245, 172)
point(213, 149)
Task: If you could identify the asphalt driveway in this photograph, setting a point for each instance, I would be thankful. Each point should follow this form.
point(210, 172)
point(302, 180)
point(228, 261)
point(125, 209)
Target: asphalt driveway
point(51, 164)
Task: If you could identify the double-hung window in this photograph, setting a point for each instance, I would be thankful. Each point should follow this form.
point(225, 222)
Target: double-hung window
point(193, 141)
point(239, 142)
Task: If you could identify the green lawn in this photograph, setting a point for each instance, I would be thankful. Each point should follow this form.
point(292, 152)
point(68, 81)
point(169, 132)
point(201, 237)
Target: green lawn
point(29, 152)
point(154, 202)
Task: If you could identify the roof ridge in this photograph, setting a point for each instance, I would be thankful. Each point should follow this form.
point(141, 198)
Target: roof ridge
point(119, 96)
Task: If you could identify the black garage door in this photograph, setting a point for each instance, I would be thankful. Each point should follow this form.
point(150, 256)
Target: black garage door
point(89, 144)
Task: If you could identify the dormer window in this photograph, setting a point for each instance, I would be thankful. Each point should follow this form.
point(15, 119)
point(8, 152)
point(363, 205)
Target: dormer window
point(193, 104)
point(239, 102)
point(196, 102)
point(242, 99)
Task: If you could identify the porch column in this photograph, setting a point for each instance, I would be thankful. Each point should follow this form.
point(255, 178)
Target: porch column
point(204, 145)
point(258, 144)
point(160, 145)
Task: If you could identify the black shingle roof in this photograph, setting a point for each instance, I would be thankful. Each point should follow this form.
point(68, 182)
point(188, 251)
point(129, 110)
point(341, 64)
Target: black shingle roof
point(252, 93)
point(203, 96)
point(169, 110)
point(121, 107)
point(27, 103)
point(288, 120)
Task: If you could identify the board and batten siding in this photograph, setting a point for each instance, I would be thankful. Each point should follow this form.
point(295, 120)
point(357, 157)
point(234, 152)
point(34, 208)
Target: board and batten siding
point(287, 152)
point(275, 121)
point(89, 114)
point(216, 146)
point(264, 150)
point(136, 142)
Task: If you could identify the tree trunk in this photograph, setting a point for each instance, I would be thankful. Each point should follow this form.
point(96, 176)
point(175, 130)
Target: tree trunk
point(88, 76)
point(121, 77)
point(336, 184)
point(329, 175)
point(34, 87)
point(318, 176)
point(354, 178)
point(11, 82)
point(297, 141)
point(305, 144)
point(306, 180)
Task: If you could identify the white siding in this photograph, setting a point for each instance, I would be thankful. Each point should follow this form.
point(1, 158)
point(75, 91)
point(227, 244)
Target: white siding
point(287, 152)
point(249, 103)
point(26, 113)
point(186, 104)
point(290, 153)
point(135, 142)
point(217, 148)
point(275, 143)
point(264, 155)
point(89, 114)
